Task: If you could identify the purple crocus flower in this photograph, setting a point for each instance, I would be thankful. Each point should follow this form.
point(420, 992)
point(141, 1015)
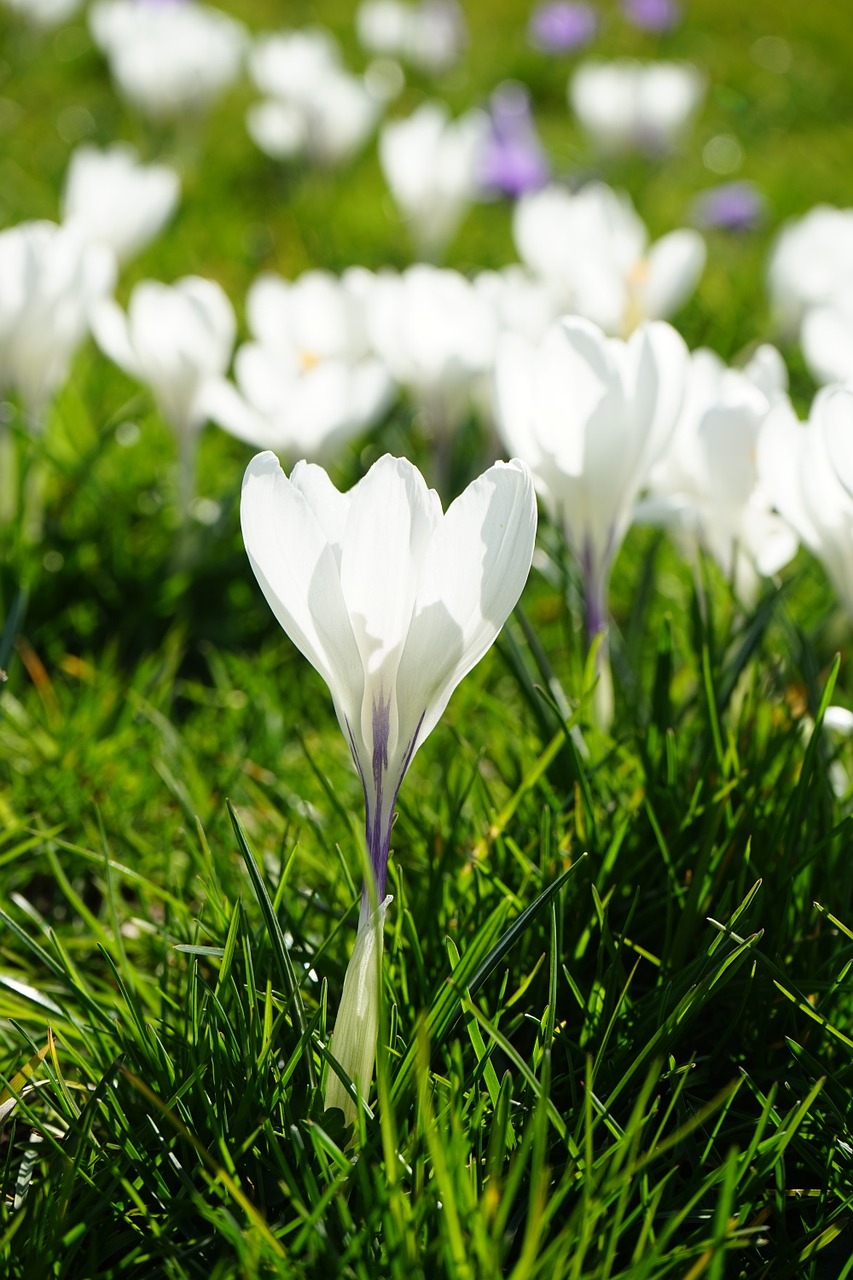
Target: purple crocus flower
point(731, 206)
point(561, 26)
point(513, 160)
point(651, 15)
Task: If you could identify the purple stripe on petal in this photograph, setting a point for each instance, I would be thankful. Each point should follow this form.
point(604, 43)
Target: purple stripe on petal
point(380, 798)
point(594, 579)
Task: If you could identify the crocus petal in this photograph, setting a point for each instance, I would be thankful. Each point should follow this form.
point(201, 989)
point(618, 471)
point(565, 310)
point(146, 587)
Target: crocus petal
point(110, 331)
point(378, 583)
point(298, 573)
point(675, 263)
point(838, 432)
point(668, 350)
point(330, 506)
point(826, 337)
point(221, 402)
point(782, 442)
point(474, 570)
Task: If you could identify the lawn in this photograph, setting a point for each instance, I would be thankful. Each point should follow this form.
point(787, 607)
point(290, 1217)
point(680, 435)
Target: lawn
point(616, 1017)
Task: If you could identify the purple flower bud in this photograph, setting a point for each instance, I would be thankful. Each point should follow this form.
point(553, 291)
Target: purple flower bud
point(651, 15)
point(513, 159)
point(560, 26)
point(732, 206)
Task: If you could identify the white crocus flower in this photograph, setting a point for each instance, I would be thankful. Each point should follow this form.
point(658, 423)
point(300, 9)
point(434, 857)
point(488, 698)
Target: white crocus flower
point(308, 380)
point(811, 264)
point(50, 280)
point(392, 602)
point(826, 338)
point(626, 104)
point(706, 485)
point(313, 105)
point(429, 35)
point(436, 334)
point(176, 339)
point(590, 415)
point(801, 466)
point(431, 163)
point(114, 200)
point(593, 250)
point(522, 303)
point(169, 59)
point(43, 13)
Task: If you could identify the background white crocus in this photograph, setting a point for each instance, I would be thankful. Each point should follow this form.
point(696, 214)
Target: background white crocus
point(802, 465)
point(393, 602)
point(313, 105)
point(811, 264)
point(706, 487)
point(627, 104)
point(43, 13)
point(169, 59)
point(50, 280)
point(826, 338)
point(590, 415)
point(431, 164)
point(175, 339)
point(429, 35)
point(592, 248)
point(308, 380)
point(435, 332)
point(116, 201)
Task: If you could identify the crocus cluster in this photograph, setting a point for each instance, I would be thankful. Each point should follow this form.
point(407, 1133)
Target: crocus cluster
point(568, 359)
point(313, 106)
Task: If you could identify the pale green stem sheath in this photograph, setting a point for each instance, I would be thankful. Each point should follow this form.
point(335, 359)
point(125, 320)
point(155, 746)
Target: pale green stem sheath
point(34, 491)
point(354, 1038)
point(603, 697)
point(8, 474)
point(187, 451)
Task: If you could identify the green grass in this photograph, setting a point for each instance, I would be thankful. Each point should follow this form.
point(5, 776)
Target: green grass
point(643, 1073)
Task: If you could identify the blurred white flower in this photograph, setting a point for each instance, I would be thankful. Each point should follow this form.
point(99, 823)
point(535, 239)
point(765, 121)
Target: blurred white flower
point(114, 200)
point(625, 104)
point(314, 106)
point(429, 36)
point(393, 602)
point(590, 415)
point(592, 248)
point(521, 302)
point(435, 332)
point(308, 380)
point(706, 486)
point(806, 469)
point(811, 263)
point(43, 13)
point(168, 59)
point(50, 279)
point(175, 339)
point(432, 165)
point(826, 337)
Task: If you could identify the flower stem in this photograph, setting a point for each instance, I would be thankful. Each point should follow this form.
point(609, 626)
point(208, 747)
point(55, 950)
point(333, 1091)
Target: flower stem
point(353, 1042)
